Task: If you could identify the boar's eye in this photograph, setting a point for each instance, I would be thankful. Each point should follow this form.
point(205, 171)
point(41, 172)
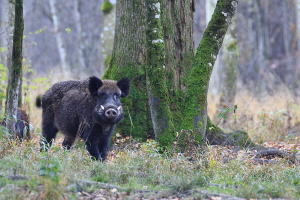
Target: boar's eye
point(116, 96)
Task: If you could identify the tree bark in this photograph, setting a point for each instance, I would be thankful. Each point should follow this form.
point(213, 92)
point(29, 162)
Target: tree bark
point(159, 101)
point(65, 68)
point(195, 116)
point(157, 56)
point(129, 59)
point(2, 47)
point(177, 24)
point(15, 72)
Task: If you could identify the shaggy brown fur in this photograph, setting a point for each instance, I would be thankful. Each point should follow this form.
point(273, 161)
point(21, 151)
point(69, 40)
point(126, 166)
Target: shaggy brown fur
point(89, 109)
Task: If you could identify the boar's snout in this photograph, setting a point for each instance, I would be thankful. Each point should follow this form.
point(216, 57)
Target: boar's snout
point(111, 113)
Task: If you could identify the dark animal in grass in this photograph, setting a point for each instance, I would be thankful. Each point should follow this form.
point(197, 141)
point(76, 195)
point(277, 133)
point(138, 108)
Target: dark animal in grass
point(21, 125)
point(89, 109)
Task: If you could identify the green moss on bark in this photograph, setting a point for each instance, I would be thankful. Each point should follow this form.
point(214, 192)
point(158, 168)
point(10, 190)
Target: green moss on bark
point(198, 82)
point(15, 71)
point(128, 60)
point(156, 77)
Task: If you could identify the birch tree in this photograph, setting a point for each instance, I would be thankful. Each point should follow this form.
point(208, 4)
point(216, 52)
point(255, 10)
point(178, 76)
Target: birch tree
point(65, 68)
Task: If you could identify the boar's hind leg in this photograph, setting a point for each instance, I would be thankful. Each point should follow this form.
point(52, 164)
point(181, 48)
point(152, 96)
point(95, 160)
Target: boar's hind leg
point(68, 142)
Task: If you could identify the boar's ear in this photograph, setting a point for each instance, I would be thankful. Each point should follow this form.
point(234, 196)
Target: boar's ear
point(123, 84)
point(94, 84)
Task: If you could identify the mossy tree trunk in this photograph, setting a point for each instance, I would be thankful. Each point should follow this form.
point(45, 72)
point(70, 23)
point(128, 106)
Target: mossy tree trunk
point(15, 70)
point(177, 23)
point(159, 100)
point(129, 59)
point(153, 47)
point(195, 114)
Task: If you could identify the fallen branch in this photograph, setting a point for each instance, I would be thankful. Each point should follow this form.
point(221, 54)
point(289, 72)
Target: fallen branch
point(274, 152)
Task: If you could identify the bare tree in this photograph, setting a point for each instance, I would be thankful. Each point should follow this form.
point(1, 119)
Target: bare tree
point(80, 68)
point(15, 63)
point(65, 67)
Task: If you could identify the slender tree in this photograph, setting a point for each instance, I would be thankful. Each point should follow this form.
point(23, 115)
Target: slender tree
point(80, 68)
point(198, 82)
point(229, 65)
point(65, 67)
point(15, 67)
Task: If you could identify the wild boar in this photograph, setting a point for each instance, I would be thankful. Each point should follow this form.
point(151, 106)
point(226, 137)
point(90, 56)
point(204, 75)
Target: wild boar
point(89, 109)
point(22, 129)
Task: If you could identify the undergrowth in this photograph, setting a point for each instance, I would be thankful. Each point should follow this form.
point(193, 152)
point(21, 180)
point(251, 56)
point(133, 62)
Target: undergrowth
point(27, 173)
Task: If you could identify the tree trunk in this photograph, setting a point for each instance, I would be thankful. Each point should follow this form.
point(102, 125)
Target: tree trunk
point(10, 20)
point(215, 79)
point(15, 70)
point(92, 23)
point(65, 68)
point(159, 101)
point(229, 72)
point(80, 68)
point(195, 116)
point(129, 60)
point(297, 74)
point(177, 23)
point(107, 37)
point(2, 47)
point(157, 56)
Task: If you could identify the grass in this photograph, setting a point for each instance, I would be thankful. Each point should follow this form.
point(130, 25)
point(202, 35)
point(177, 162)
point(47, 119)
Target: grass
point(34, 175)
point(26, 173)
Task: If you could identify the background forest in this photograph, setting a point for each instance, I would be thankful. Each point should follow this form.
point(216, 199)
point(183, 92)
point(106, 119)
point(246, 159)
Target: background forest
point(266, 33)
point(254, 87)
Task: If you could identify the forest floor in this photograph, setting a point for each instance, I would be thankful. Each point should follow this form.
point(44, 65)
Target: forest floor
point(135, 170)
point(139, 170)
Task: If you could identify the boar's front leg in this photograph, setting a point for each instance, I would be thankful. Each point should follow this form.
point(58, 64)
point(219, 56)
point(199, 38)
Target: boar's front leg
point(91, 137)
point(103, 147)
point(92, 148)
point(68, 142)
point(104, 141)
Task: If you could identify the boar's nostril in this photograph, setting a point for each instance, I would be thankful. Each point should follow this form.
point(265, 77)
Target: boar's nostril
point(111, 113)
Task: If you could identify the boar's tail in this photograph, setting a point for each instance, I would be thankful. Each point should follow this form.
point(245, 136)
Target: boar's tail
point(38, 101)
